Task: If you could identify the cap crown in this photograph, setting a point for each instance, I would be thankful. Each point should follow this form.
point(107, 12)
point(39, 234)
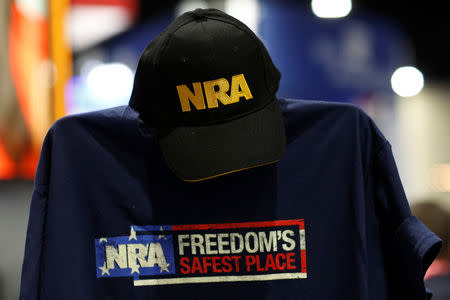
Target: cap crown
point(205, 68)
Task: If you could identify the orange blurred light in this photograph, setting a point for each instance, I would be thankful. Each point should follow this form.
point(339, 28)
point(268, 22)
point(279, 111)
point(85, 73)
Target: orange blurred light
point(7, 167)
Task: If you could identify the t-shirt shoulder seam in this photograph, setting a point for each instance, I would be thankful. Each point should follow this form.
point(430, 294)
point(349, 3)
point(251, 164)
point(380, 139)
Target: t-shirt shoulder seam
point(41, 187)
point(381, 148)
point(125, 112)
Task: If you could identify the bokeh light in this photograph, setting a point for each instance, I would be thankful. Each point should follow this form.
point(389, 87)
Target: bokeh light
point(331, 8)
point(111, 83)
point(407, 81)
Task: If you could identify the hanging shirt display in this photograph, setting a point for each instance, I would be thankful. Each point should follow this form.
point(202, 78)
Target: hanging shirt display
point(109, 220)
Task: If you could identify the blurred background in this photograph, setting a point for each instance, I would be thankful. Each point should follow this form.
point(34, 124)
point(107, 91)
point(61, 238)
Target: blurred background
point(60, 57)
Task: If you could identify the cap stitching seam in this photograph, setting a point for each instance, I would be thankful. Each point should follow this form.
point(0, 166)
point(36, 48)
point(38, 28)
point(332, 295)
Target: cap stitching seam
point(168, 39)
point(254, 37)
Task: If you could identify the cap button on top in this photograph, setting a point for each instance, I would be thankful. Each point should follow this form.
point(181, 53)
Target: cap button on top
point(199, 14)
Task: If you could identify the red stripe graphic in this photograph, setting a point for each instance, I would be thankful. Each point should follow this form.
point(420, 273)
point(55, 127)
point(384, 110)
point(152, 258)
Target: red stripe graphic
point(303, 260)
point(299, 222)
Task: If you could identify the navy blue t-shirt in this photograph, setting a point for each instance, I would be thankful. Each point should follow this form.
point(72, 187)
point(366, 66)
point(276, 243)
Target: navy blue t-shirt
point(108, 219)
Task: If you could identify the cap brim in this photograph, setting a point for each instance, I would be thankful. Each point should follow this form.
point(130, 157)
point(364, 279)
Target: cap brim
point(196, 153)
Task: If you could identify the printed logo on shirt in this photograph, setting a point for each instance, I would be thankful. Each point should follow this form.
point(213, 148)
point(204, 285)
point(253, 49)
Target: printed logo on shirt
point(202, 253)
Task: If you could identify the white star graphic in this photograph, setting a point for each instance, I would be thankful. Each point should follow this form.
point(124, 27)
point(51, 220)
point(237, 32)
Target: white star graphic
point(161, 236)
point(164, 267)
point(132, 234)
point(104, 269)
point(135, 268)
point(103, 240)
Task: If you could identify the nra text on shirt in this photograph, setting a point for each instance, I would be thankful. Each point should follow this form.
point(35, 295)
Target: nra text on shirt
point(181, 254)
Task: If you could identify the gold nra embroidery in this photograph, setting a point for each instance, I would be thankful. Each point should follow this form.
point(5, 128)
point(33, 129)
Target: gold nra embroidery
point(215, 90)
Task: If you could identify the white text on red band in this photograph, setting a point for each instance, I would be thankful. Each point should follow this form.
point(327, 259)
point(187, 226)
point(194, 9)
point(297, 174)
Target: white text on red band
point(234, 243)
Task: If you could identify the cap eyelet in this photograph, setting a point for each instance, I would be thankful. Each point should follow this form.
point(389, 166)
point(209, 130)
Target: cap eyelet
point(199, 14)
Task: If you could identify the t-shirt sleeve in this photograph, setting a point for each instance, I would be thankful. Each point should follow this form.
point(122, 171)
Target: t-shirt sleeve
point(29, 287)
point(34, 243)
point(409, 245)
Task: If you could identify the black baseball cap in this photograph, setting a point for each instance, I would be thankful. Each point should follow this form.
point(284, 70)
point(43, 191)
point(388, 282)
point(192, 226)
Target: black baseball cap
point(207, 85)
